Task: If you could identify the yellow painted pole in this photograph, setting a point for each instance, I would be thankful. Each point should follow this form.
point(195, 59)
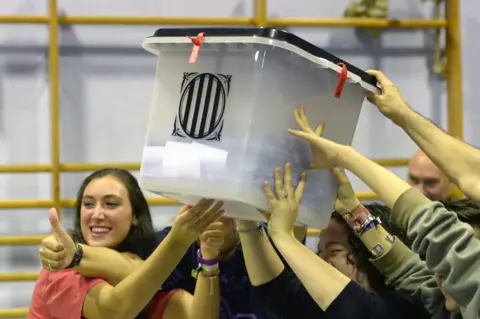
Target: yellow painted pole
point(54, 102)
point(454, 69)
point(260, 13)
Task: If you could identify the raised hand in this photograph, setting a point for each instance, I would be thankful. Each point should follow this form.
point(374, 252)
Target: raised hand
point(327, 153)
point(192, 221)
point(346, 199)
point(390, 101)
point(58, 249)
point(304, 125)
point(211, 241)
point(286, 203)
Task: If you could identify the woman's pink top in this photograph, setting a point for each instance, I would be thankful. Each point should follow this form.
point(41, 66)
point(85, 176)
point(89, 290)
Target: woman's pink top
point(61, 295)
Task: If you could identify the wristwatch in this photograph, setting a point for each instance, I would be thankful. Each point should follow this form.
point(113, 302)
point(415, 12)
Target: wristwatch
point(77, 257)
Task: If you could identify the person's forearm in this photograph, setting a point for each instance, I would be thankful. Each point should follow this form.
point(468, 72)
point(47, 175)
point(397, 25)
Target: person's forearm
point(458, 160)
point(300, 233)
point(206, 299)
point(377, 235)
point(262, 262)
point(134, 292)
point(105, 263)
point(371, 237)
point(323, 282)
point(383, 182)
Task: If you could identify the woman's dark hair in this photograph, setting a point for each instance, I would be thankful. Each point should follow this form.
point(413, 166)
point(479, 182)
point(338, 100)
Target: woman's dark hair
point(141, 237)
point(468, 210)
point(360, 256)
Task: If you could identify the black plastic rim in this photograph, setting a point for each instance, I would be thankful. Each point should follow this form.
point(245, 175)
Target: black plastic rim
point(269, 33)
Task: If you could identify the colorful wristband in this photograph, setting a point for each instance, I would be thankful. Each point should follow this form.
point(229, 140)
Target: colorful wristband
point(200, 269)
point(208, 268)
point(371, 225)
point(357, 217)
point(206, 262)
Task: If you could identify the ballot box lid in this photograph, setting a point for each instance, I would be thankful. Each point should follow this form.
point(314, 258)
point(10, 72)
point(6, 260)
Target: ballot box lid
point(173, 35)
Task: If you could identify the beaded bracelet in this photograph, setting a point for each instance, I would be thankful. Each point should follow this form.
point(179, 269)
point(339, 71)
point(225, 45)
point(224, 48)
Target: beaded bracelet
point(356, 217)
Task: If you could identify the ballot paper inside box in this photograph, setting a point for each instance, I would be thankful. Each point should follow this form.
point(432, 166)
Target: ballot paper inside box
point(218, 127)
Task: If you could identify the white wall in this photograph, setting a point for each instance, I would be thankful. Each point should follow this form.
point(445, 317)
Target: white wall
point(106, 81)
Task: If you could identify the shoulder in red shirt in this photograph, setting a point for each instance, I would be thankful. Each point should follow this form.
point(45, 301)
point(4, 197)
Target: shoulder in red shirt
point(62, 294)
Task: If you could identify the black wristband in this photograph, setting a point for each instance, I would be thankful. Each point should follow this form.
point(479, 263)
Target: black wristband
point(77, 257)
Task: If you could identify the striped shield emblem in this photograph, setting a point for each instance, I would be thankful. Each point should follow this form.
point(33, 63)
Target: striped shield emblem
point(203, 98)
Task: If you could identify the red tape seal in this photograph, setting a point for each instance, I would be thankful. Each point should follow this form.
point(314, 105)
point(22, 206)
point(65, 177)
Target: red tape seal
point(197, 43)
point(342, 79)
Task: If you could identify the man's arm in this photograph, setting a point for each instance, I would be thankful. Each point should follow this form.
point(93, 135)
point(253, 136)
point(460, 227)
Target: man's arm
point(443, 149)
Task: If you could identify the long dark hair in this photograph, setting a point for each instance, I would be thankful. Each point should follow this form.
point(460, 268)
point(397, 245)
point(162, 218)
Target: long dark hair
point(141, 237)
point(468, 210)
point(360, 256)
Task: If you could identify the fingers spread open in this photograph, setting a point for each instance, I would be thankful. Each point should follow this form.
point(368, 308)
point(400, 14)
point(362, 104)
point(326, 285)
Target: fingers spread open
point(301, 187)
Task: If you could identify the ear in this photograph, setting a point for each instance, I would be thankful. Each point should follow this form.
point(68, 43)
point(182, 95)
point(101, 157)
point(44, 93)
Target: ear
point(135, 221)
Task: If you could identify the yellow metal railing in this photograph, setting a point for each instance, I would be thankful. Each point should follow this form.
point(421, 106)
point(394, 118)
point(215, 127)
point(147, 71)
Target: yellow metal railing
point(454, 88)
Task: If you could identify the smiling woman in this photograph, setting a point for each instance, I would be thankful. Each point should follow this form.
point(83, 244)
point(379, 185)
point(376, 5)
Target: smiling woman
point(113, 223)
point(104, 219)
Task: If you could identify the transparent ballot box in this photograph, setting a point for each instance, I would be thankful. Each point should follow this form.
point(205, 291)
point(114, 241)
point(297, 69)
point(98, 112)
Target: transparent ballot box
point(217, 126)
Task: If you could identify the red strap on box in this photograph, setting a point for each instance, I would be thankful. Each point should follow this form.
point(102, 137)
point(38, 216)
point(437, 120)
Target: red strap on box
point(342, 78)
point(197, 43)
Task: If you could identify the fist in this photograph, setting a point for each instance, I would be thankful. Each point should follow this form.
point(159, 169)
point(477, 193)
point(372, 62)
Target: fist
point(211, 240)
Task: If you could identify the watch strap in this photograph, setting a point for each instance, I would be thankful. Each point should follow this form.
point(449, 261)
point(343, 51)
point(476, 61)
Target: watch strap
point(77, 257)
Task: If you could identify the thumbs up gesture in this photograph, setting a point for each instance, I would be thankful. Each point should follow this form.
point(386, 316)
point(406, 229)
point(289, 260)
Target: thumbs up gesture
point(58, 249)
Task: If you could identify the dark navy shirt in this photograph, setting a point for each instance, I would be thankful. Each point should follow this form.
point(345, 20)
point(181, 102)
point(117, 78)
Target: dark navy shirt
point(287, 295)
point(239, 299)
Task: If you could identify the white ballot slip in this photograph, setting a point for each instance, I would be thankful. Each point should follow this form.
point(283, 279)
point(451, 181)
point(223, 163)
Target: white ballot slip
point(221, 107)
